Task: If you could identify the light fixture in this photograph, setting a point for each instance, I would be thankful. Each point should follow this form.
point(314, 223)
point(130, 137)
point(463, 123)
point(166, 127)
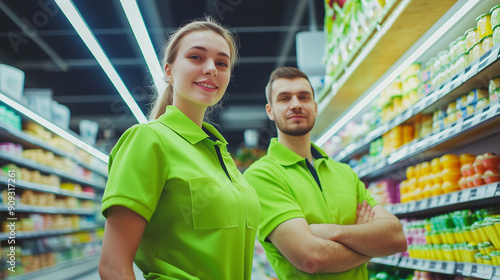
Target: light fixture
point(423, 47)
point(141, 35)
point(54, 128)
point(81, 27)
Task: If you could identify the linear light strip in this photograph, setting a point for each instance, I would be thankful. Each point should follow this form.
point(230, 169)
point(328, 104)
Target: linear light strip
point(54, 128)
point(89, 39)
point(410, 59)
point(141, 35)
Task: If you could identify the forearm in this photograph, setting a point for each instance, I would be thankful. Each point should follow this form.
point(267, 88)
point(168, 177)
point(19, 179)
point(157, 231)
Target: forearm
point(378, 238)
point(116, 271)
point(332, 257)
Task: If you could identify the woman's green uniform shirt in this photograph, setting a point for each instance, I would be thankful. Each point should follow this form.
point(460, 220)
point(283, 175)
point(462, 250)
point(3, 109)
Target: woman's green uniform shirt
point(288, 190)
point(201, 224)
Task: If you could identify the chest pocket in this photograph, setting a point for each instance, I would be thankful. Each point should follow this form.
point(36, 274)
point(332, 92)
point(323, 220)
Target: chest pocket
point(253, 207)
point(213, 204)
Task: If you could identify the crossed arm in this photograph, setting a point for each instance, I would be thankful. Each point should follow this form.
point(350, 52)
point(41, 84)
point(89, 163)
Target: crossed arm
point(330, 248)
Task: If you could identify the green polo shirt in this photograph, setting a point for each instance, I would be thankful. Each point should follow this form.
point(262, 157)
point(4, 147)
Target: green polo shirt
point(287, 189)
point(202, 215)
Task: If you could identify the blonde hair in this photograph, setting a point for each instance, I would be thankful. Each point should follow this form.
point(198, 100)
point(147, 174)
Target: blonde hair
point(171, 48)
point(288, 73)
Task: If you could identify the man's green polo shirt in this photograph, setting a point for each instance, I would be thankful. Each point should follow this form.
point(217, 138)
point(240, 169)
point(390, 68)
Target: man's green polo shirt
point(202, 215)
point(287, 190)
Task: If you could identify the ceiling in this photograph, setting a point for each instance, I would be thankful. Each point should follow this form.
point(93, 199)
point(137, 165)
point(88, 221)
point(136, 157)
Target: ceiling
point(36, 37)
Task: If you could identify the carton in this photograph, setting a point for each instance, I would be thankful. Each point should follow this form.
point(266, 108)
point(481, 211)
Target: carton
point(40, 101)
point(11, 81)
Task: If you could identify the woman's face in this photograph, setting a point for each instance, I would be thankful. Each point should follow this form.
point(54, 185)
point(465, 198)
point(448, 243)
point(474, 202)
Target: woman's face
point(201, 70)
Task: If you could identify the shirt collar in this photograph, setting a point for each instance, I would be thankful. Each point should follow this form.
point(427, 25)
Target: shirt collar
point(285, 156)
point(181, 124)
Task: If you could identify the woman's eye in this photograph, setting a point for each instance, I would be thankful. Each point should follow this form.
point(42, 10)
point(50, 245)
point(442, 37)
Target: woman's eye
point(193, 56)
point(222, 64)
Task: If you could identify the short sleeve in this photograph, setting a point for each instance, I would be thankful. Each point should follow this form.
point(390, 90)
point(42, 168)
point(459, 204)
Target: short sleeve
point(137, 172)
point(363, 193)
point(276, 200)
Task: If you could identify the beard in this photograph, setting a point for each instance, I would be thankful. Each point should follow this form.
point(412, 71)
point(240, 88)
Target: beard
point(298, 130)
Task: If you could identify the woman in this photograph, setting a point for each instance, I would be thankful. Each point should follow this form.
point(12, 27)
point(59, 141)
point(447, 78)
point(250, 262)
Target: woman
point(174, 199)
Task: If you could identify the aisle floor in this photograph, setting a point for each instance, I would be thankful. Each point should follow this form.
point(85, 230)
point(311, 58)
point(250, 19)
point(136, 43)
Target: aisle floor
point(94, 275)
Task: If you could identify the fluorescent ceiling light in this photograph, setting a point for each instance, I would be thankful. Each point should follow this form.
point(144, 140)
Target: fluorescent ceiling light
point(54, 128)
point(405, 64)
point(141, 35)
point(89, 39)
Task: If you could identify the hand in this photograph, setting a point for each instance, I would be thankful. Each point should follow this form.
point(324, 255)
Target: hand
point(364, 213)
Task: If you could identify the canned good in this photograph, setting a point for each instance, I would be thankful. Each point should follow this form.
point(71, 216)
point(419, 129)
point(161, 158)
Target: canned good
point(484, 25)
point(471, 37)
point(476, 51)
point(487, 43)
point(496, 34)
point(495, 15)
point(461, 46)
point(494, 84)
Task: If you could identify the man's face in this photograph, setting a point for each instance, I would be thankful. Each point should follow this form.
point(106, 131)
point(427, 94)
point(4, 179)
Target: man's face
point(293, 108)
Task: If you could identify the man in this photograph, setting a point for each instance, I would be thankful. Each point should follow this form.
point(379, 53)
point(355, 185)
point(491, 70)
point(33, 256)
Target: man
point(318, 221)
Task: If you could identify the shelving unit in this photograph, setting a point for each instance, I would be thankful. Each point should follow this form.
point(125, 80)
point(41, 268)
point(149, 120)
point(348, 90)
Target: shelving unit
point(459, 137)
point(481, 271)
point(381, 51)
point(87, 215)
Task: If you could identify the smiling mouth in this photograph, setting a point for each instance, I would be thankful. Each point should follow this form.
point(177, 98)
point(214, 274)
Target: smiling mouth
point(205, 85)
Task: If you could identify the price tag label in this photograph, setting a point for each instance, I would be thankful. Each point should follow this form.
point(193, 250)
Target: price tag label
point(433, 202)
point(404, 208)
point(419, 106)
point(432, 98)
point(432, 265)
point(467, 269)
point(470, 71)
point(465, 195)
point(480, 192)
point(479, 270)
point(491, 190)
point(457, 80)
point(476, 119)
point(488, 58)
point(444, 266)
point(493, 109)
point(426, 265)
point(488, 271)
point(458, 127)
point(408, 114)
point(412, 206)
point(453, 198)
point(450, 268)
point(443, 199)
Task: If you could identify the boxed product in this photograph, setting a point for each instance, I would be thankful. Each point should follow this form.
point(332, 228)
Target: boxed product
point(11, 81)
point(60, 115)
point(40, 101)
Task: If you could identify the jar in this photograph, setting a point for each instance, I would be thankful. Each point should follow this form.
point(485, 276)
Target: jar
point(494, 84)
point(452, 50)
point(476, 51)
point(484, 25)
point(495, 15)
point(471, 37)
point(496, 34)
point(495, 258)
point(487, 43)
point(461, 46)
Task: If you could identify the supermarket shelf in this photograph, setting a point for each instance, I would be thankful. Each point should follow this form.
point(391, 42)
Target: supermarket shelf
point(26, 140)
point(481, 271)
point(47, 210)
point(490, 115)
point(473, 197)
point(414, 20)
point(65, 270)
point(47, 189)
point(480, 69)
point(45, 233)
point(49, 170)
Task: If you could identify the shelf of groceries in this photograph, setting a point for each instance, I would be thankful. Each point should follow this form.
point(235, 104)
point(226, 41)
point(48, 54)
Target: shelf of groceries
point(26, 139)
point(479, 69)
point(482, 271)
point(426, 147)
point(54, 224)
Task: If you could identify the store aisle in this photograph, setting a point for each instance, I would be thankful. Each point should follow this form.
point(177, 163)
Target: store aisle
point(94, 275)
